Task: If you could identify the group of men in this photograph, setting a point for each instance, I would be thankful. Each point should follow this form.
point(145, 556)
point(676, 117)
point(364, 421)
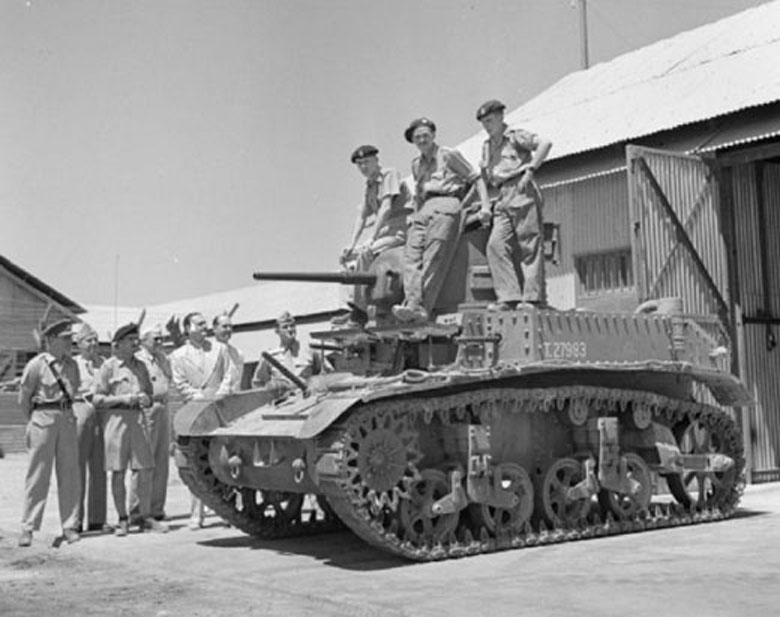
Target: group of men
point(428, 223)
point(89, 416)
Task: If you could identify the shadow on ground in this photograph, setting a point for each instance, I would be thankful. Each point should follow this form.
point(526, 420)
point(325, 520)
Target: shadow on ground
point(339, 549)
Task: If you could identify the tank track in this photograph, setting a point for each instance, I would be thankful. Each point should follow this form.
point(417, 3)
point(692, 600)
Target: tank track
point(229, 502)
point(372, 517)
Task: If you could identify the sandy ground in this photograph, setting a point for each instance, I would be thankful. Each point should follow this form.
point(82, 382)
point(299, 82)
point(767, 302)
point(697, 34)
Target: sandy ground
point(731, 568)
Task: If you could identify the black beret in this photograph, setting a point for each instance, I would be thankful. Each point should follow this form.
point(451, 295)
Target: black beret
point(61, 327)
point(362, 152)
point(126, 330)
point(417, 124)
point(489, 108)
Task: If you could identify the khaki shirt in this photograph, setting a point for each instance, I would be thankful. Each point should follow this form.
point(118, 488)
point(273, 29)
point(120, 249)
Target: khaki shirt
point(300, 362)
point(446, 172)
point(39, 385)
point(120, 378)
point(386, 184)
point(507, 160)
point(159, 371)
point(88, 371)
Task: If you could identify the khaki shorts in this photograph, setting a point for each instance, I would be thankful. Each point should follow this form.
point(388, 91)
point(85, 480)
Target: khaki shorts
point(126, 439)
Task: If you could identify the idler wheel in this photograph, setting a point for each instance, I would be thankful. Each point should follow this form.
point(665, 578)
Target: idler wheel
point(417, 519)
point(558, 507)
point(514, 479)
point(625, 506)
point(696, 489)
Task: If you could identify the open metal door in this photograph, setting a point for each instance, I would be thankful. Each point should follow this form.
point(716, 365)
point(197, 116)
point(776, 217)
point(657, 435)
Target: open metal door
point(678, 245)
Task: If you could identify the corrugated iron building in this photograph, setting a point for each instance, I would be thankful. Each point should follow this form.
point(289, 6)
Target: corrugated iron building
point(664, 180)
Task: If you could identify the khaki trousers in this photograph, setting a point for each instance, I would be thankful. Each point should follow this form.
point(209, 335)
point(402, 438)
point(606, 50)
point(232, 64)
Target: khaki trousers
point(92, 474)
point(430, 245)
point(51, 438)
point(514, 249)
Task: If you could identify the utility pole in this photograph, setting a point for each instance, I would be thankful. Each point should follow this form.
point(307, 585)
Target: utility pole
point(583, 34)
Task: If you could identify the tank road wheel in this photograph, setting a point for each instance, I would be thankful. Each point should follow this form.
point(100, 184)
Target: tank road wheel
point(701, 489)
point(565, 473)
point(514, 479)
point(419, 523)
point(623, 506)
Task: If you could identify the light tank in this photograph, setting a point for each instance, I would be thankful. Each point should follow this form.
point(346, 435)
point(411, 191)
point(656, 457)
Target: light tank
point(480, 430)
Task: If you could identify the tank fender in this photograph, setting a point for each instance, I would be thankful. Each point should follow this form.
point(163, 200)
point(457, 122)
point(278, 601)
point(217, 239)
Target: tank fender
point(325, 413)
point(204, 416)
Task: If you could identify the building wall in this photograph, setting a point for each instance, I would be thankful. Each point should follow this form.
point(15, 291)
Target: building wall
point(758, 293)
point(594, 269)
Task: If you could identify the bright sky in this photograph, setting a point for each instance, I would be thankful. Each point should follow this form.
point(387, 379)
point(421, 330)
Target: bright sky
point(184, 144)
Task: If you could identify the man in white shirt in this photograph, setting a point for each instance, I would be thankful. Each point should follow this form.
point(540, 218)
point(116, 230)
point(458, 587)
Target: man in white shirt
point(223, 331)
point(201, 370)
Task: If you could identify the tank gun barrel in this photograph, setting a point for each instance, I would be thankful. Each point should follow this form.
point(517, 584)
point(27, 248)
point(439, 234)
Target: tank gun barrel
point(344, 278)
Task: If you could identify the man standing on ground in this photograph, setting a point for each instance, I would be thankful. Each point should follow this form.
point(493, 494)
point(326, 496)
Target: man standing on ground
point(157, 421)
point(123, 393)
point(49, 382)
point(223, 331)
point(290, 353)
point(89, 430)
point(201, 370)
point(510, 158)
point(442, 179)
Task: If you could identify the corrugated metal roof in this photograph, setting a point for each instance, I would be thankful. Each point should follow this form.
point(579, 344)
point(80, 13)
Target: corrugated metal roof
point(260, 302)
point(711, 71)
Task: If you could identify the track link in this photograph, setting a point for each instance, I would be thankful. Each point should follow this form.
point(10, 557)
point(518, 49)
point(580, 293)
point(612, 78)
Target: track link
point(373, 515)
point(264, 514)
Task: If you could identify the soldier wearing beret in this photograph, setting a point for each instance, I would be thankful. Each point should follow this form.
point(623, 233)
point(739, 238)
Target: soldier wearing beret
point(89, 430)
point(510, 158)
point(442, 178)
point(152, 355)
point(201, 370)
point(290, 353)
point(49, 383)
point(387, 200)
point(123, 391)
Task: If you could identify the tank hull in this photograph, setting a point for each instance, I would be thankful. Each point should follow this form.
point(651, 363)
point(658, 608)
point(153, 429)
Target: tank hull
point(543, 428)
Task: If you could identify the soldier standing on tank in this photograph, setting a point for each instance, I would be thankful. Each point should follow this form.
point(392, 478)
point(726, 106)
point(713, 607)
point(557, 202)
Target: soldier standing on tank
point(387, 200)
point(49, 383)
point(124, 393)
point(89, 430)
point(201, 370)
point(158, 423)
point(442, 178)
point(510, 158)
point(291, 354)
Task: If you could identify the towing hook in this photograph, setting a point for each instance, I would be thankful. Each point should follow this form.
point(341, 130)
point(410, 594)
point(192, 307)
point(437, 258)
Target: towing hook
point(299, 469)
point(235, 464)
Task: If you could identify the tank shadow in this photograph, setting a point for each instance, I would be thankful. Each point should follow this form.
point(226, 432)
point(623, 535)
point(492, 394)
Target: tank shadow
point(339, 549)
point(745, 513)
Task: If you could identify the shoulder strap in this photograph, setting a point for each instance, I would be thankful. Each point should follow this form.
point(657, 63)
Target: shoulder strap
point(65, 394)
